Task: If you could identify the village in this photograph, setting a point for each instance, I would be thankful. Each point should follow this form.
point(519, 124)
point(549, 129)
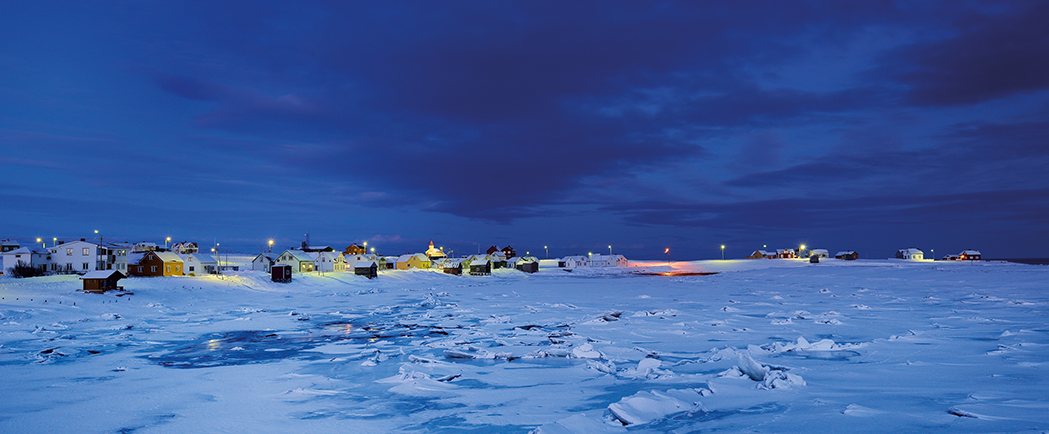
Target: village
point(102, 263)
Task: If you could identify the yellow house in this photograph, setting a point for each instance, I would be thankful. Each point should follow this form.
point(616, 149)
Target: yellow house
point(408, 262)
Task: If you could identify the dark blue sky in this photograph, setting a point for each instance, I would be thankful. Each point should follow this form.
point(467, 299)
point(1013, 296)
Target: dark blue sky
point(844, 125)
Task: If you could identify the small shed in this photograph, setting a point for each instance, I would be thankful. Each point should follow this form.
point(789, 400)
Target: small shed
point(102, 280)
point(281, 273)
point(480, 267)
point(454, 266)
point(528, 267)
point(369, 269)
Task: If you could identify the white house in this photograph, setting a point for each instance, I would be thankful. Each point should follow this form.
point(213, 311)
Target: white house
point(352, 260)
point(195, 264)
point(912, 254)
point(599, 260)
point(81, 256)
point(326, 261)
point(573, 261)
point(822, 253)
point(36, 258)
point(8, 245)
point(262, 262)
point(300, 262)
point(185, 248)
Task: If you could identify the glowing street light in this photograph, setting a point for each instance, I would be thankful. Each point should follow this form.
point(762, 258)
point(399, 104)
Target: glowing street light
point(667, 251)
point(609, 250)
point(42, 244)
point(373, 250)
point(801, 252)
point(54, 241)
point(722, 252)
point(547, 252)
point(271, 246)
point(166, 241)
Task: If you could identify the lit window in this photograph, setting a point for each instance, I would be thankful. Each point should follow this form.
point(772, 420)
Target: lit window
point(87, 251)
point(69, 252)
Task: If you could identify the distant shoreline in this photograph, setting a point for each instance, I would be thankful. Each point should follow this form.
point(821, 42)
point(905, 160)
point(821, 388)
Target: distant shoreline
point(1029, 261)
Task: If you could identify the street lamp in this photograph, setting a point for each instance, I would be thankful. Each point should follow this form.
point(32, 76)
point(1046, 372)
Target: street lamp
point(54, 241)
point(166, 241)
point(609, 250)
point(722, 252)
point(801, 252)
point(271, 246)
point(42, 244)
point(547, 252)
point(667, 251)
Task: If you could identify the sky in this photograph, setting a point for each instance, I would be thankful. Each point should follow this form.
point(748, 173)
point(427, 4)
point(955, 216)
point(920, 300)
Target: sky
point(867, 126)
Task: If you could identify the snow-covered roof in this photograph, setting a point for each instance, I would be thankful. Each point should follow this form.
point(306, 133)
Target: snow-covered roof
point(101, 274)
point(298, 255)
point(135, 258)
point(574, 258)
point(911, 250)
point(24, 250)
point(844, 252)
point(168, 257)
point(818, 250)
point(365, 264)
point(970, 252)
point(419, 256)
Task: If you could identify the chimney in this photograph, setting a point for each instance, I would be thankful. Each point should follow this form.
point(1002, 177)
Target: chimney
point(83, 239)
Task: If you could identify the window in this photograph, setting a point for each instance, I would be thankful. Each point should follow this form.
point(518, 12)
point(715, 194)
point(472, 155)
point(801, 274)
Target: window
point(87, 251)
point(152, 268)
point(191, 268)
point(85, 265)
point(69, 252)
point(139, 268)
point(167, 268)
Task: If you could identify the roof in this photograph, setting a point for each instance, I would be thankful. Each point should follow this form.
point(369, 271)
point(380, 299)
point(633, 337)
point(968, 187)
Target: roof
point(419, 256)
point(102, 274)
point(200, 257)
point(844, 252)
point(25, 249)
point(970, 252)
point(168, 257)
point(135, 258)
point(365, 264)
point(298, 255)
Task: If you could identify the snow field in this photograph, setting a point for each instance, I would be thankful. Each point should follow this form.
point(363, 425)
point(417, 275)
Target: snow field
point(770, 346)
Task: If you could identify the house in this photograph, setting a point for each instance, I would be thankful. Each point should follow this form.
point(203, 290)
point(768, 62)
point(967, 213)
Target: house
point(144, 247)
point(195, 264)
point(82, 256)
point(847, 255)
point(154, 264)
point(758, 254)
point(390, 262)
point(509, 252)
point(912, 254)
point(480, 265)
point(262, 262)
point(408, 262)
point(102, 280)
point(8, 245)
point(435, 253)
point(280, 273)
point(528, 264)
point(185, 248)
point(599, 260)
point(573, 261)
point(786, 253)
point(498, 259)
point(328, 261)
point(299, 261)
point(355, 249)
point(970, 255)
point(352, 260)
point(819, 253)
point(369, 269)
point(454, 266)
point(491, 250)
point(306, 247)
point(25, 256)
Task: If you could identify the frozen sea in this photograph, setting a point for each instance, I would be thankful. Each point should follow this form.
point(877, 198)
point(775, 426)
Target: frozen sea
point(762, 346)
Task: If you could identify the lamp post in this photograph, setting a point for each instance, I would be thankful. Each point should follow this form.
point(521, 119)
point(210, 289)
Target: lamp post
point(166, 241)
point(667, 251)
point(271, 246)
point(54, 241)
point(609, 250)
point(365, 247)
point(722, 252)
point(802, 251)
point(42, 244)
point(547, 252)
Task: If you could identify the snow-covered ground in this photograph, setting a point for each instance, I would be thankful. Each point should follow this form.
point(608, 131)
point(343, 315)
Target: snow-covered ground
point(768, 346)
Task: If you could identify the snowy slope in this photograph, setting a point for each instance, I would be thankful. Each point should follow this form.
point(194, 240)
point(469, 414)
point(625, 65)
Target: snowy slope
point(769, 346)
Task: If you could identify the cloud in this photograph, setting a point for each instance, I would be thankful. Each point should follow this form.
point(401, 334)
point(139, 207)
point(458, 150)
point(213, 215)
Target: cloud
point(993, 54)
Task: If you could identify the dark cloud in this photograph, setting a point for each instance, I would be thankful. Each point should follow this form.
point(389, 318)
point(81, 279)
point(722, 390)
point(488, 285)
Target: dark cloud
point(996, 51)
